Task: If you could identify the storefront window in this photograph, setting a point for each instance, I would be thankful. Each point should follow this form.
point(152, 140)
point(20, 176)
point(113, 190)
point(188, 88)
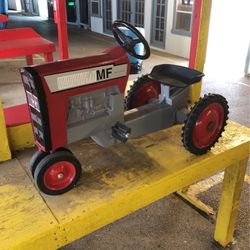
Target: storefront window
point(183, 16)
point(95, 7)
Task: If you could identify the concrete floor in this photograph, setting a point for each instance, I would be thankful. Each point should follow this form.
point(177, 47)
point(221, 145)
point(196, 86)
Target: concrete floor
point(169, 223)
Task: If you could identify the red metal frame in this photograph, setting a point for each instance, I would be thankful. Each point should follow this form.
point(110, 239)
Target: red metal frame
point(61, 20)
point(4, 19)
point(195, 32)
point(59, 101)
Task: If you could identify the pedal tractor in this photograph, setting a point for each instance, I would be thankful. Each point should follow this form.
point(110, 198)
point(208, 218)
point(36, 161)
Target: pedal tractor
point(78, 98)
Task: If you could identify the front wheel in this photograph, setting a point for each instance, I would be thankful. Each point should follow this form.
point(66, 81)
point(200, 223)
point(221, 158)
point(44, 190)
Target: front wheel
point(36, 158)
point(57, 173)
point(205, 124)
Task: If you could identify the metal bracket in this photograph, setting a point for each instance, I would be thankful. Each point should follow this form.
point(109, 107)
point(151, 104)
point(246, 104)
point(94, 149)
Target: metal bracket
point(165, 95)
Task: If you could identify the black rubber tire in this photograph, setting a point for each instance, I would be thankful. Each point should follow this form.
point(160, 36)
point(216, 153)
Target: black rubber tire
point(137, 84)
point(50, 160)
point(63, 149)
point(36, 158)
point(189, 124)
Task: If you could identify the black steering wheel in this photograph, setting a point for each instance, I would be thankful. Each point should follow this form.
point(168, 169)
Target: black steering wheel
point(127, 42)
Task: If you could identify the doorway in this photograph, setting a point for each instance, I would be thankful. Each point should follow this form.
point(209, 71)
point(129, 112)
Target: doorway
point(30, 7)
point(159, 23)
point(84, 12)
point(107, 16)
point(132, 12)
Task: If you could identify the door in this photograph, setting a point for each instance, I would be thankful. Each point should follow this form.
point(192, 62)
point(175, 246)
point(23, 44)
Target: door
point(107, 14)
point(132, 11)
point(30, 7)
point(159, 23)
point(50, 9)
point(84, 12)
point(71, 9)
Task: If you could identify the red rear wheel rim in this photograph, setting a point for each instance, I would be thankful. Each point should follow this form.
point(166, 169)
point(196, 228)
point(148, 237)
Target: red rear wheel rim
point(59, 175)
point(208, 125)
point(148, 92)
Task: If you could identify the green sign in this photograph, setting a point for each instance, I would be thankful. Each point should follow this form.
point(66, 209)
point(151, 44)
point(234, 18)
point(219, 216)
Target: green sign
point(71, 3)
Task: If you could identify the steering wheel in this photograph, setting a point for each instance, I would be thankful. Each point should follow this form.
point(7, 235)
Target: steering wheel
point(127, 42)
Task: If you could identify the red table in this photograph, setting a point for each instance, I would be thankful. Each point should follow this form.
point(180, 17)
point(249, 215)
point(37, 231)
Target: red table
point(25, 42)
point(4, 19)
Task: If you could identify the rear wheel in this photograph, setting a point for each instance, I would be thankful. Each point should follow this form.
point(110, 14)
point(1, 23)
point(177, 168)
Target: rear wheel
point(57, 173)
point(143, 91)
point(205, 124)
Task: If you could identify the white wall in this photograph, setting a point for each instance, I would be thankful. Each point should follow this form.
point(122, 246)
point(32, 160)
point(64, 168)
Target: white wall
point(148, 19)
point(12, 4)
point(97, 24)
point(15, 5)
point(43, 8)
point(175, 44)
point(114, 10)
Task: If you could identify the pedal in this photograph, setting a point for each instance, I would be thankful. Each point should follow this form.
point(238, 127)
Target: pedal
point(121, 132)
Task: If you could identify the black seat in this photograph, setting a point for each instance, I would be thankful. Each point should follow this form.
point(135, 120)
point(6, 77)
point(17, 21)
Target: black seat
point(175, 75)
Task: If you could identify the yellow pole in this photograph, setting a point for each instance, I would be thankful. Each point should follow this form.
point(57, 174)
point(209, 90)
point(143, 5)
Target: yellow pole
point(5, 153)
point(201, 48)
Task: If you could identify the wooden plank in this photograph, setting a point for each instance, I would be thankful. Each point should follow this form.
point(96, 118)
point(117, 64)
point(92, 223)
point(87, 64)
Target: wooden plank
point(20, 137)
point(5, 153)
point(26, 222)
point(116, 182)
point(119, 180)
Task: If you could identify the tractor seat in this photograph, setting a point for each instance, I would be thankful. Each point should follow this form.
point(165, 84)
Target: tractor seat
point(175, 75)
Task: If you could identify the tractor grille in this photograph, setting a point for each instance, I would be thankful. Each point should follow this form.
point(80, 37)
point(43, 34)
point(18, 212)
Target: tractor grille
point(38, 108)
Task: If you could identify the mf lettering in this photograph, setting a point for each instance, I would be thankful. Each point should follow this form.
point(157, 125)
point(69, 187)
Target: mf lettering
point(103, 74)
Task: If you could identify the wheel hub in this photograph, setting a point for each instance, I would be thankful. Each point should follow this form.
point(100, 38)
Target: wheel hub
point(59, 175)
point(211, 127)
point(208, 125)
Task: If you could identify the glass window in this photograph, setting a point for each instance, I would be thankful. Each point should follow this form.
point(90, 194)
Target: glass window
point(183, 16)
point(95, 8)
point(159, 23)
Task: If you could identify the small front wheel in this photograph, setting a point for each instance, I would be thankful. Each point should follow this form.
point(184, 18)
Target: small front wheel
point(36, 158)
point(57, 173)
point(205, 124)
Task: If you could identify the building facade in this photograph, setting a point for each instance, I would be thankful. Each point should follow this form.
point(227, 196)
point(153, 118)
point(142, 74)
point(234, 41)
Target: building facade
point(167, 23)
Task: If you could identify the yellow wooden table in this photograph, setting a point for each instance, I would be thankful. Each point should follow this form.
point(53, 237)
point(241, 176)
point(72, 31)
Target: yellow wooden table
point(116, 182)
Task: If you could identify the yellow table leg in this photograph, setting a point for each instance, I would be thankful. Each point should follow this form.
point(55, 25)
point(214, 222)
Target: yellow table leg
point(5, 153)
point(229, 203)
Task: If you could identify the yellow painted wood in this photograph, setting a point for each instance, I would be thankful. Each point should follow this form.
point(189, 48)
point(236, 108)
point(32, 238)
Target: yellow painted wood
point(116, 182)
point(26, 222)
point(20, 137)
point(5, 153)
point(201, 47)
point(194, 201)
point(229, 202)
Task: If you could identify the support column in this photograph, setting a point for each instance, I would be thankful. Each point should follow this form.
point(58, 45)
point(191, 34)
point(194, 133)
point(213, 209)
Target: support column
point(202, 11)
point(5, 153)
point(62, 29)
point(229, 202)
